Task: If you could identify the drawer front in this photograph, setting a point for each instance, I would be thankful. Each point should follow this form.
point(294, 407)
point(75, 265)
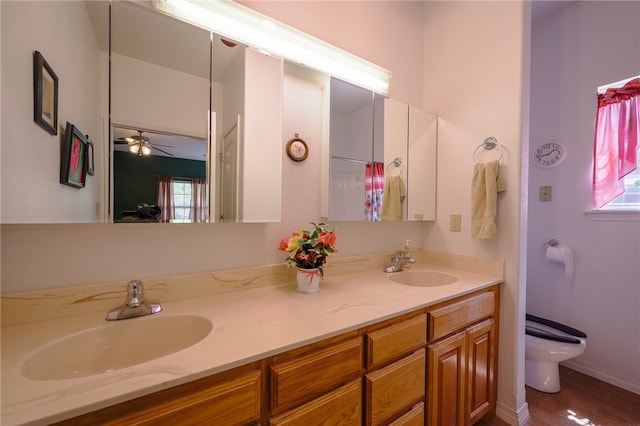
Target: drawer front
point(458, 315)
point(396, 340)
point(307, 376)
point(236, 401)
point(394, 388)
point(415, 417)
point(342, 406)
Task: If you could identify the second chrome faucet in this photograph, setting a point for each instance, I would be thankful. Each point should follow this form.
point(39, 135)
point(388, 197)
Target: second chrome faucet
point(399, 259)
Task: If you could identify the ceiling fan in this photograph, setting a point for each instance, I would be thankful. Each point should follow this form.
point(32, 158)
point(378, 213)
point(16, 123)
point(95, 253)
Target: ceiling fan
point(140, 145)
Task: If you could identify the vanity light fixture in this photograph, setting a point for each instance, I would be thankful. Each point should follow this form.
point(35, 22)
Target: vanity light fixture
point(240, 23)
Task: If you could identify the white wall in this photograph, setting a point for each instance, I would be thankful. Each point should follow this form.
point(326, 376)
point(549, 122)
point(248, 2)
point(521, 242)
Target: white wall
point(574, 51)
point(27, 149)
point(202, 247)
point(474, 78)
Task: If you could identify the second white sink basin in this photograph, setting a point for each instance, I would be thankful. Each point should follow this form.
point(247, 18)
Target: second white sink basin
point(422, 278)
point(115, 345)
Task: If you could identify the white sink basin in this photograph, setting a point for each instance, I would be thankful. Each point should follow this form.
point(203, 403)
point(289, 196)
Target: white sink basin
point(422, 278)
point(115, 345)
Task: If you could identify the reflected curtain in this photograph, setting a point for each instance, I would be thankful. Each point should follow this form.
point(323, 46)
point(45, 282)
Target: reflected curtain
point(617, 140)
point(199, 211)
point(165, 198)
point(374, 188)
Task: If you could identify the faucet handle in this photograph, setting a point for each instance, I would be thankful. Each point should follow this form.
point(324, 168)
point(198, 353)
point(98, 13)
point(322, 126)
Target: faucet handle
point(135, 296)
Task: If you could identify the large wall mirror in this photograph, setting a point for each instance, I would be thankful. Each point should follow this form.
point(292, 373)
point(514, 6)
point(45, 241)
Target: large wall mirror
point(207, 110)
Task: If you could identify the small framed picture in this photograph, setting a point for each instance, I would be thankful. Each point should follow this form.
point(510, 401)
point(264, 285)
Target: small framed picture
point(297, 149)
point(45, 94)
point(90, 157)
point(73, 163)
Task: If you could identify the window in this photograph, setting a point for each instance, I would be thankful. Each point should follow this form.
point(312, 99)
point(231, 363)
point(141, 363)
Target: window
point(181, 193)
point(630, 198)
point(616, 178)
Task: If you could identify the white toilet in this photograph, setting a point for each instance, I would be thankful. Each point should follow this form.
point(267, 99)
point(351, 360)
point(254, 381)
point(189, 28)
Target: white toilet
point(546, 344)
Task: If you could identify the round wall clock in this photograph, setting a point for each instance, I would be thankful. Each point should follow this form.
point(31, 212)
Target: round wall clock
point(297, 149)
point(549, 154)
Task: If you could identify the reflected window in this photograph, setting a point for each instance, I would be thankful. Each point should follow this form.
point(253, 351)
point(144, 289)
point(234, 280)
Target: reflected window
point(181, 193)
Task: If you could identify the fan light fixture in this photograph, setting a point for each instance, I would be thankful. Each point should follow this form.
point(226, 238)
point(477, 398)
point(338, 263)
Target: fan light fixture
point(139, 146)
point(240, 23)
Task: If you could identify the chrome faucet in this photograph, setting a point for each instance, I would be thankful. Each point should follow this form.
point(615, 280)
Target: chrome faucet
point(135, 305)
point(398, 260)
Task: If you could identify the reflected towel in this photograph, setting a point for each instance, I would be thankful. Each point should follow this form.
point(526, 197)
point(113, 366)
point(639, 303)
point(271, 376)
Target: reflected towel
point(392, 198)
point(485, 185)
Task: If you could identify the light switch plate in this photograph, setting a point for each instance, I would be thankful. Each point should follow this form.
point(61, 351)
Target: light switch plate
point(455, 223)
point(545, 193)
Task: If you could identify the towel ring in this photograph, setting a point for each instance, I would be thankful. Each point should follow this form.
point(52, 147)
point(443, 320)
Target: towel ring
point(396, 163)
point(488, 144)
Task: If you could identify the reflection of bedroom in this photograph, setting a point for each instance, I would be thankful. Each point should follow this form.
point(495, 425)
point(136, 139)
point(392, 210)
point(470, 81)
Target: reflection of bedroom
point(136, 177)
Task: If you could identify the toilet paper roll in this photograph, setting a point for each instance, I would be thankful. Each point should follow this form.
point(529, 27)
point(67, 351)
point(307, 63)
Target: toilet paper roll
point(562, 254)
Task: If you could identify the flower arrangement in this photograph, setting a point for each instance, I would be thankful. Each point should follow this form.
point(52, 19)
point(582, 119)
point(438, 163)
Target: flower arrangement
point(309, 249)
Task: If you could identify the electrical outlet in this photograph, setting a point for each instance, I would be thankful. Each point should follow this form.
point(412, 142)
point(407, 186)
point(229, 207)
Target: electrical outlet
point(455, 223)
point(545, 193)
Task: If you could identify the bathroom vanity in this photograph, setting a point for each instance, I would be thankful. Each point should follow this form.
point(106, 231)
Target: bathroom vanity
point(364, 350)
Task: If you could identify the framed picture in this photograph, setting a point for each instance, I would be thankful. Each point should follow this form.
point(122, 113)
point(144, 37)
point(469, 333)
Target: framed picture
point(45, 94)
point(90, 158)
point(73, 163)
point(297, 149)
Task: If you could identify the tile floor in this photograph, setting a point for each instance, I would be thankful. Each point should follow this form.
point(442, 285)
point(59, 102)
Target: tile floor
point(582, 401)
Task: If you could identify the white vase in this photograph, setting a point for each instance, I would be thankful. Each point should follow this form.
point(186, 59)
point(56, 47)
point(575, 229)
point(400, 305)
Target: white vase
point(308, 280)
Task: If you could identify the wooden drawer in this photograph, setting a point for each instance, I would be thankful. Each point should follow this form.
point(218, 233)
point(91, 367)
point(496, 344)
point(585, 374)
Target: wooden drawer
point(395, 388)
point(415, 417)
point(209, 401)
point(456, 316)
point(342, 406)
point(306, 377)
point(395, 340)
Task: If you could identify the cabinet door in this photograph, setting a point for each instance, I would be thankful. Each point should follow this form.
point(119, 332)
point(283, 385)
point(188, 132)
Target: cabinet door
point(342, 406)
point(447, 363)
point(481, 388)
point(393, 389)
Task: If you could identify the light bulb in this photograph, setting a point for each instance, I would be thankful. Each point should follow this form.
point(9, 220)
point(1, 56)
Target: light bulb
point(146, 150)
point(134, 148)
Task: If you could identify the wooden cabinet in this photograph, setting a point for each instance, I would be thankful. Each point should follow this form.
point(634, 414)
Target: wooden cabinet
point(229, 398)
point(305, 377)
point(342, 406)
point(462, 360)
point(394, 389)
point(434, 366)
point(396, 378)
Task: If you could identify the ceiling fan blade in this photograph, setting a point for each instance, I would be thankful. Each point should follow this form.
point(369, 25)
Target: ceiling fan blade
point(168, 153)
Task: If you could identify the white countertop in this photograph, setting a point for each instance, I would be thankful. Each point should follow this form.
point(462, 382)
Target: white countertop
point(248, 325)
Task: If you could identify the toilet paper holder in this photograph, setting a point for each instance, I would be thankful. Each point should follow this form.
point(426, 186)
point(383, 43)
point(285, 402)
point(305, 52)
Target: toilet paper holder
point(552, 242)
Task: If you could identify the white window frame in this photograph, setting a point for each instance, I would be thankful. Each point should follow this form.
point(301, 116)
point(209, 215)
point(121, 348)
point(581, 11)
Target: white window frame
point(183, 207)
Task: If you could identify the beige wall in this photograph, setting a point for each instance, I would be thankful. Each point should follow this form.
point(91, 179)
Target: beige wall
point(474, 69)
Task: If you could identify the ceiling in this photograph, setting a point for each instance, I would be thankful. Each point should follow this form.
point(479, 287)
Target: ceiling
point(180, 146)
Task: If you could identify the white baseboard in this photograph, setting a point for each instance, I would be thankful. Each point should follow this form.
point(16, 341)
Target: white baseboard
point(514, 418)
point(616, 381)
